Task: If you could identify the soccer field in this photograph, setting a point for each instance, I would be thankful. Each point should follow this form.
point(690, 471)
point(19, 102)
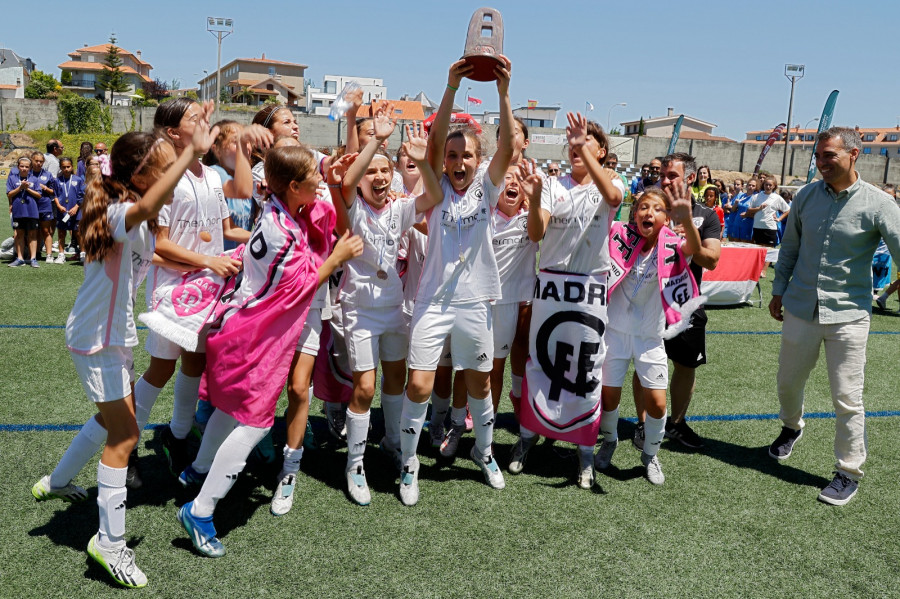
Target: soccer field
point(729, 521)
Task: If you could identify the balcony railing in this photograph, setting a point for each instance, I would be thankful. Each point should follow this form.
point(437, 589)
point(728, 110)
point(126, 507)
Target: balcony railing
point(80, 83)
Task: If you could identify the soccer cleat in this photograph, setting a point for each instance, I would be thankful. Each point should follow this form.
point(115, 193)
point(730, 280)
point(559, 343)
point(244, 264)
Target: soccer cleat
point(492, 474)
point(133, 475)
point(34, 263)
point(357, 486)
point(60, 259)
point(176, 451)
point(450, 445)
point(519, 453)
point(392, 452)
point(283, 499)
point(684, 434)
point(638, 439)
point(654, 469)
point(605, 454)
point(119, 562)
point(882, 303)
point(16, 262)
point(783, 446)
point(201, 531)
point(191, 478)
point(337, 421)
point(586, 472)
point(436, 430)
point(409, 483)
point(70, 493)
point(840, 491)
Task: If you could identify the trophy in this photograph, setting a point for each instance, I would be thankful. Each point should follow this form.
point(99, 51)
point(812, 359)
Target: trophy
point(484, 44)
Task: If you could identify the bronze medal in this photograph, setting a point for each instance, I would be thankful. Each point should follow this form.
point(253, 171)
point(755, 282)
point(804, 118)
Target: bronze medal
point(205, 236)
point(381, 275)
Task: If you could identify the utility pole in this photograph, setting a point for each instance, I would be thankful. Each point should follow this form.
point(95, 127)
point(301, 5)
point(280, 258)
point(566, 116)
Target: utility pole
point(792, 72)
point(220, 28)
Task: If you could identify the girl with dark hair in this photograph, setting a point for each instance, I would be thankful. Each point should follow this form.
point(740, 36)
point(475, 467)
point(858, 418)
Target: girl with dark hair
point(84, 158)
point(101, 333)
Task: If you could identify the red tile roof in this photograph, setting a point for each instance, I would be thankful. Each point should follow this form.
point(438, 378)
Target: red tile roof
point(409, 110)
point(270, 61)
point(103, 49)
point(77, 65)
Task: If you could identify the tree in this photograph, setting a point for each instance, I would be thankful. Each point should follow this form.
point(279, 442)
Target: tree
point(641, 127)
point(157, 89)
point(615, 131)
point(112, 79)
point(41, 86)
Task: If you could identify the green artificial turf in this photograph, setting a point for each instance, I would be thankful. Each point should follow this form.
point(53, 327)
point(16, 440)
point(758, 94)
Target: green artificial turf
point(729, 521)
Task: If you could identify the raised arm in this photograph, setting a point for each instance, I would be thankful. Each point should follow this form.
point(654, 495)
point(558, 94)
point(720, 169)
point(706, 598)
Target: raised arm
point(416, 147)
point(506, 139)
point(334, 177)
point(355, 98)
point(576, 132)
point(437, 137)
point(384, 122)
point(252, 136)
point(538, 217)
point(680, 201)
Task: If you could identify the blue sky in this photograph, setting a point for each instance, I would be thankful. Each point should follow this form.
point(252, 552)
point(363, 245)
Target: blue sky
point(720, 61)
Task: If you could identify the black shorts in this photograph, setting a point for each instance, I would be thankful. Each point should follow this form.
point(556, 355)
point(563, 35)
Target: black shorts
point(767, 237)
point(72, 225)
point(689, 348)
point(25, 224)
point(46, 216)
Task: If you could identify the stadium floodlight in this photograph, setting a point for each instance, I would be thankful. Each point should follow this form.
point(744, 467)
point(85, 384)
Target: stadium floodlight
point(221, 28)
point(792, 72)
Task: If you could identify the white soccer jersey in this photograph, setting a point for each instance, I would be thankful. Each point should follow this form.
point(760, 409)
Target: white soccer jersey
point(577, 236)
point(417, 247)
point(635, 306)
point(103, 313)
point(515, 254)
point(460, 266)
point(381, 231)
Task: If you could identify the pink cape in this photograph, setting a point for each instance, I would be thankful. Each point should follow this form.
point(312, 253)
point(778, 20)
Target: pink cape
point(251, 344)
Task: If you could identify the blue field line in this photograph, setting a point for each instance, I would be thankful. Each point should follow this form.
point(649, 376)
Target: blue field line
point(37, 428)
point(44, 326)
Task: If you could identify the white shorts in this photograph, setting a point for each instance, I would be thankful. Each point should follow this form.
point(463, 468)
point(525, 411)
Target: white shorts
point(375, 334)
point(106, 375)
point(506, 318)
point(160, 347)
point(469, 327)
point(312, 329)
point(648, 354)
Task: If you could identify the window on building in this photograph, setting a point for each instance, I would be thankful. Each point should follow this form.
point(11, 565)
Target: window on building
point(892, 137)
point(759, 138)
point(883, 151)
point(869, 137)
point(317, 103)
point(867, 150)
point(810, 137)
point(331, 87)
point(792, 138)
point(271, 71)
point(270, 87)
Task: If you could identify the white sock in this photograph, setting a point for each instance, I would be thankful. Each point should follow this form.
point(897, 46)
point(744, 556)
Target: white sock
point(439, 408)
point(86, 443)
point(111, 495)
point(411, 421)
point(654, 429)
point(357, 431)
point(458, 416)
point(516, 388)
point(482, 411)
point(391, 407)
point(187, 391)
point(145, 396)
point(217, 430)
point(292, 459)
point(609, 425)
point(229, 463)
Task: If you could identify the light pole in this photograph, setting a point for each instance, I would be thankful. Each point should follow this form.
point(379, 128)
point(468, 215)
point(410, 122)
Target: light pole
point(220, 28)
point(806, 126)
point(466, 107)
point(609, 112)
point(792, 72)
point(203, 93)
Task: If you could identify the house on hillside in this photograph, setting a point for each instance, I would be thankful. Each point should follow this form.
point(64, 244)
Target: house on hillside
point(429, 106)
point(319, 100)
point(536, 117)
point(82, 73)
point(884, 141)
point(15, 74)
point(255, 80)
point(663, 126)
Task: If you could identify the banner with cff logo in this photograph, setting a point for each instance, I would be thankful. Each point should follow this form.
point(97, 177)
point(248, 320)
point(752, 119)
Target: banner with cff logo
point(181, 308)
point(561, 391)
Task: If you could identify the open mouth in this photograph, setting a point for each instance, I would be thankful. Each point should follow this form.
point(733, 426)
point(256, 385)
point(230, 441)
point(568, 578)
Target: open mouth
point(411, 167)
point(459, 175)
point(512, 194)
point(380, 190)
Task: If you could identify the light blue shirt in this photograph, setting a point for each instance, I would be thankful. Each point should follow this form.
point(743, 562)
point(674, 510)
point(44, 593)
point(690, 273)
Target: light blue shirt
point(824, 267)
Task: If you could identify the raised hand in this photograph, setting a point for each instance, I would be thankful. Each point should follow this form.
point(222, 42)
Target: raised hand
point(459, 70)
point(529, 179)
point(256, 136)
point(417, 142)
point(203, 138)
point(338, 169)
point(347, 247)
point(503, 74)
point(680, 200)
point(355, 98)
point(576, 131)
point(384, 120)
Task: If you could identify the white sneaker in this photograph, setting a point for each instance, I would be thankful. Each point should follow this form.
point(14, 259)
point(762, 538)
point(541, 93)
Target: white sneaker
point(49, 259)
point(283, 499)
point(60, 259)
point(586, 472)
point(519, 453)
point(70, 493)
point(409, 483)
point(605, 454)
point(119, 562)
point(654, 469)
point(492, 474)
point(450, 444)
point(357, 486)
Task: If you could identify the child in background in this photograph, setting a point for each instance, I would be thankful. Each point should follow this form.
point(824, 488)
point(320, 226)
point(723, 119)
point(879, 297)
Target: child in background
point(85, 153)
point(100, 332)
point(23, 209)
point(711, 199)
point(638, 315)
point(248, 364)
point(42, 181)
point(69, 192)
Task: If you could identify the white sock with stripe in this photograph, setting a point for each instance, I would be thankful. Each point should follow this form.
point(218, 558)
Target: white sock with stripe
point(357, 432)
point(111, 496)
point(411, 421)
point(86, 443)
point(229, 463)
point(482, 411)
